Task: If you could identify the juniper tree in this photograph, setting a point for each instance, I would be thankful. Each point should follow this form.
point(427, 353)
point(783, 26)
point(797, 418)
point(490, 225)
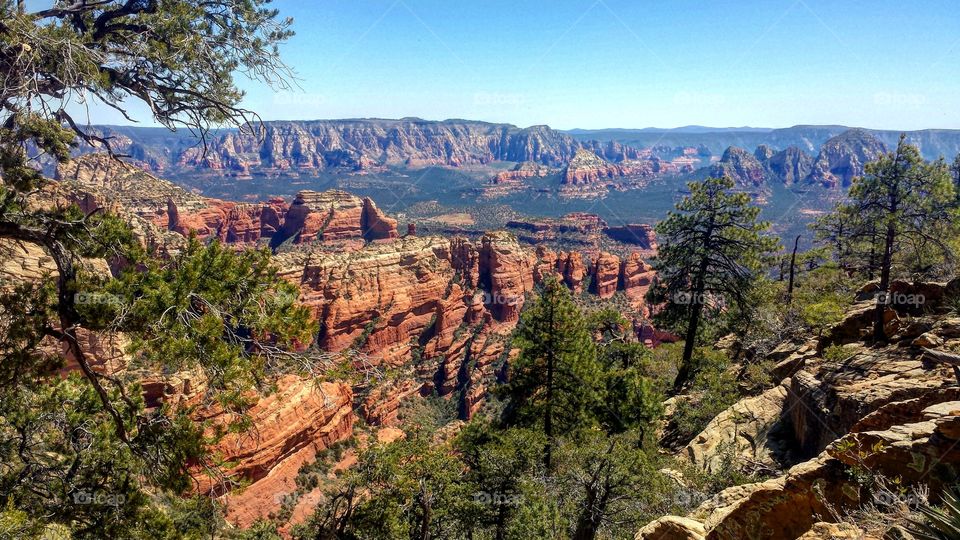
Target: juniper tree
point(711, 249)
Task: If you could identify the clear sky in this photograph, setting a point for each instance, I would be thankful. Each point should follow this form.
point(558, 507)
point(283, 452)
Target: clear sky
point(618, 63)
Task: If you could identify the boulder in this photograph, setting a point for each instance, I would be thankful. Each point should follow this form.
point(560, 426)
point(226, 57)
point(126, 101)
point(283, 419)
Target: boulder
point(752, 429)
point(672, 528)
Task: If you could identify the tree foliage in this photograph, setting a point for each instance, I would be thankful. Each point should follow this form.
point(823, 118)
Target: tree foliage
point(711, 251)
point(74, 447)
point(553, 382)
point(899, 219)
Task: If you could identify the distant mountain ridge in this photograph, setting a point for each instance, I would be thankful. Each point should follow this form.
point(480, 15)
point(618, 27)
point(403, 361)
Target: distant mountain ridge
point(359, 144)
point(827, 155)
point(933, 143)
point(839, 160)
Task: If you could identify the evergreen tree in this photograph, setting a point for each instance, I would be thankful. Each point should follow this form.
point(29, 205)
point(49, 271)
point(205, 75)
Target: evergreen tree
point(710, 251)
point(612, 486)
point(70, 444)
point(553, 383)
point(900, 200)
point(630, 401)
point(955, 172)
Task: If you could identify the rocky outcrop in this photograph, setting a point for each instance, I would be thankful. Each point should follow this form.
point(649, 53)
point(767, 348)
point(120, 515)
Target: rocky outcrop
point(515, 180)
point(923, 448)
point(754, 429)
point(739, 165)
point(605, 274)
point(98, 181)
point(672, 528)
point(522, 171)
point(290, 427)
point(229, 222)
point(109, 183)
point(508, 271)
point(636, 276)
point(826, 404)
point(572, 270)
point(448, 303)
point(332, 216)
point(790, 166)
point(299, 419)
point(588, 168)
point(877, 408)
point(844, 157)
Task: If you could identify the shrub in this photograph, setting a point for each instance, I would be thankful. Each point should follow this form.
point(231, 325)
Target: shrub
point(714, 389)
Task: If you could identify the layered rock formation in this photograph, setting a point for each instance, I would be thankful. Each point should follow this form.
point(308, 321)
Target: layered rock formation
point(739, 165)
point(368, 143)
point(515, 180)
point(447, 302)
point(587, 168)
point(233, 223)
point(527, 169)
point(843, 158)
point(291, 426)
point(334, 216)
point(98, 181)
point(882, 409)
point(789, 166)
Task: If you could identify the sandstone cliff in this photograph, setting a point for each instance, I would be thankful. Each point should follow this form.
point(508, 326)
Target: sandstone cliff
point(364, 144)
point(97, 181)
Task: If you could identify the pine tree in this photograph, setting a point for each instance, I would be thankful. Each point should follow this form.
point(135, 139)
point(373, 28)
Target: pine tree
point(553, 383)
point(67, 438)
point(711, 250)
point(900, 198)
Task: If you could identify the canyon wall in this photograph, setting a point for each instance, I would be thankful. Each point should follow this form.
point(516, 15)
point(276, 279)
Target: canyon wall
point(358, 145)
point(415, 315)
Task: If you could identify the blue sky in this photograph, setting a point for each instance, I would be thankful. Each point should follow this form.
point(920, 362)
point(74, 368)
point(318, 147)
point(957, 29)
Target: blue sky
point(618, 63)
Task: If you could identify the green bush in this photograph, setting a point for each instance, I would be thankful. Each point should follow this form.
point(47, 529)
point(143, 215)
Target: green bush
point(714, 389)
